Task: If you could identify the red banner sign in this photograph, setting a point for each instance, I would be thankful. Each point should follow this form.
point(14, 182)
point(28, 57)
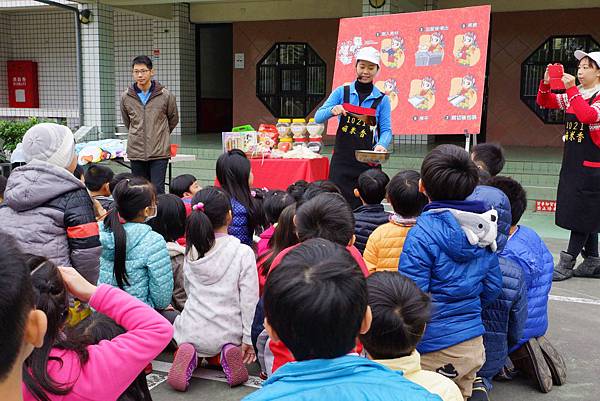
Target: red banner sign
point(545, 206)
point(432, 66)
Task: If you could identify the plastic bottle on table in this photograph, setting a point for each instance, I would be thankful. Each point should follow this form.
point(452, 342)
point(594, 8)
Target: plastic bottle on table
point(298, 127)
point(315, 133)
point(283, 127)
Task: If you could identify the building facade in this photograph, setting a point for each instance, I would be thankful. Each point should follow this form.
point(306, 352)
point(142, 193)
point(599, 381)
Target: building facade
point(209, 54)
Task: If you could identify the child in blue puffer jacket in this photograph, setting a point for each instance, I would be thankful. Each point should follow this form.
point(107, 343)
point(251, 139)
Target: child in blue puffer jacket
point(449, 257)
point(527, 250)
point(235, 177)
point(135, 258)
point(505, 318)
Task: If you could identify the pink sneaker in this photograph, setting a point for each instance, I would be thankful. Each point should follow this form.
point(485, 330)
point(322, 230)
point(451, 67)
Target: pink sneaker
point(183, 366)
point(233, 366)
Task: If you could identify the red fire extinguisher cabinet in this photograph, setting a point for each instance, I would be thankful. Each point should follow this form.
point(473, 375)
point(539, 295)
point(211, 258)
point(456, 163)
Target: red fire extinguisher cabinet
point(23, 84)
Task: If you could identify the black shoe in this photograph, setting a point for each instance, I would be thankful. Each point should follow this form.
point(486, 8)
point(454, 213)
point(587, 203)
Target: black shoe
point(564, 268)
point(555, 362)
point(506, 374)
point(529, 360)
point(590, 267)
point(479, 391)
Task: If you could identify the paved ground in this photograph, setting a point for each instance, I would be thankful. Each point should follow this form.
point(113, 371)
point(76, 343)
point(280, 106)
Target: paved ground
point(574, 329)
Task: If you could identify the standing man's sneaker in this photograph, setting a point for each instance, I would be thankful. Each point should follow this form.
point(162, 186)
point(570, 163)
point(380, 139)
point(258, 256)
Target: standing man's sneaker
point(555, 362)
point(233, 365)
point(590, 267)
point(529, 360)
point(183, 366)
point(564, 268)
point(480, 393)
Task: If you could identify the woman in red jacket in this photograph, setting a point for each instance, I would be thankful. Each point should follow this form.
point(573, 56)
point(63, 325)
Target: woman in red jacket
point(578, 198)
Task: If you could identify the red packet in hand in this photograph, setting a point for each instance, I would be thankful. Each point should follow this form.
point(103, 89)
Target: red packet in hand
point(556, 72)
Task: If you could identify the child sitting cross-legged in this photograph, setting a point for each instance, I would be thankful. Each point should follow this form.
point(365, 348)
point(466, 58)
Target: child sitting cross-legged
point(488, 157)
point(275, 202)
point(135, 258)
point(221, 282)
point(170, 223)
point(316, 304)
point(400, 311)
point(532, 353)
point(327, 216)
point(449, 254)
point(369, 216)
point(70, 367)
point(385, 243)
point(185, 187)
point(97, 180)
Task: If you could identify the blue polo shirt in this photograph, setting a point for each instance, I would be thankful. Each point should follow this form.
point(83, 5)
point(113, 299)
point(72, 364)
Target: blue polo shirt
point(144, 96)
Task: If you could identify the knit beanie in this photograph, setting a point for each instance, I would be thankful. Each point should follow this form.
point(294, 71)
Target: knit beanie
point(49, 142)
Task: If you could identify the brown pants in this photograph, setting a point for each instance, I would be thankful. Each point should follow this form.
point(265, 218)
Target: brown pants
point(461, 362)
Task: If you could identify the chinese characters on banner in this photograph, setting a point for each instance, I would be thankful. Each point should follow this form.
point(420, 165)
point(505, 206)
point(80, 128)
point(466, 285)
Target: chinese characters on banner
point(432, 66)
point(545, 206)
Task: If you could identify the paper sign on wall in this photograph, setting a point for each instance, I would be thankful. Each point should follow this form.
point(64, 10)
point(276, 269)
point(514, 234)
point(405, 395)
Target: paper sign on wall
point(432, 66)
point(238, 60)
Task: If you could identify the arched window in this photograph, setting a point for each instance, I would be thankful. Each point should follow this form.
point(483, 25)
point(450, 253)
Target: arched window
point(291, 79)
point(556, 49)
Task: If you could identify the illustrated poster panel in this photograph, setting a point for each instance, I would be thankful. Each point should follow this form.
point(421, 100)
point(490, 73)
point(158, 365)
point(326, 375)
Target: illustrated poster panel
point(432, 66)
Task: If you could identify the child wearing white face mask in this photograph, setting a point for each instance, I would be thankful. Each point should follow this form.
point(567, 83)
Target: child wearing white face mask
point(135, 258)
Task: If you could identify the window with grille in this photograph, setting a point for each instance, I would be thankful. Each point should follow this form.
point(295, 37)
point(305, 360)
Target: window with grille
point(556, 49)
point(291, 79)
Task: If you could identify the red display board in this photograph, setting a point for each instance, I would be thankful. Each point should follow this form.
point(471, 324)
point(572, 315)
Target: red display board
point(22, 84)
point(432, 66)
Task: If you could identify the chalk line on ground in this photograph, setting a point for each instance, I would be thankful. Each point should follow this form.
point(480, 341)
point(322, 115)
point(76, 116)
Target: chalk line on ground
point(574, 300)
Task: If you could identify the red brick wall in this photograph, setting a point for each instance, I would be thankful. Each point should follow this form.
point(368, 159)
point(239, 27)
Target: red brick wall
point(514, 36)
point(254, 39)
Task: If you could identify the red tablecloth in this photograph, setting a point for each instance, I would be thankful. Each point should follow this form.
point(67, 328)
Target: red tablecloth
point(280, 173)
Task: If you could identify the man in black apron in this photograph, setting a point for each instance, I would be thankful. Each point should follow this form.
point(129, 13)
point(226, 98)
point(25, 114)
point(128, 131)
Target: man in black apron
point(578, 197)
point(364, 124)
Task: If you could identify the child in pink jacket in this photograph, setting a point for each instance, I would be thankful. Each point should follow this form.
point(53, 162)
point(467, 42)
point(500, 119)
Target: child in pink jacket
point(275, 202)
point(89, 372)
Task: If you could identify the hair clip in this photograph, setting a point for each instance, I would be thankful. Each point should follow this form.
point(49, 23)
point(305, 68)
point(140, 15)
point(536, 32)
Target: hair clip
point(198, 206)
point(121, 220)
point(38, 267)
point(253, 193)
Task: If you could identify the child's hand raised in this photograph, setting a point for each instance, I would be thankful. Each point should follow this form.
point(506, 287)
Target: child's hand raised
point(76, 284)
point(248, 355)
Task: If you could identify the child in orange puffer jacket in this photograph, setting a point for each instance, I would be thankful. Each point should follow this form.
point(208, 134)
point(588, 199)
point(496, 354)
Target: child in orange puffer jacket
point(385, 243)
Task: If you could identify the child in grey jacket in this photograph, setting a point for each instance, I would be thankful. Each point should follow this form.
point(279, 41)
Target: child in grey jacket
point(221, 281)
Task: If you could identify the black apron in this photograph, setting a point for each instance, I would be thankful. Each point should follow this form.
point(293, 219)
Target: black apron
point(352, 134)
point(578, 197)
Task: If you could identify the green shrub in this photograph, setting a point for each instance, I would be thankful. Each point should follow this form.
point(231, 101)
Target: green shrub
point(11, 132)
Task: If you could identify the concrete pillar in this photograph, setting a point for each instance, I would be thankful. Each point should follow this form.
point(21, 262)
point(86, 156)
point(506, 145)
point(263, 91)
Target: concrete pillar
point(99, 69)
point(175, 63)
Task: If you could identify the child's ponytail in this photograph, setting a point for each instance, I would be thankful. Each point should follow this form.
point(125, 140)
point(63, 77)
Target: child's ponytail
point(113, 223)
point(210, 210)
point(131, 195)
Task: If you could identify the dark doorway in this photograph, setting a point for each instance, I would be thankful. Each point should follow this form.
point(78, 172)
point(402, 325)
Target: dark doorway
point(214, 78)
